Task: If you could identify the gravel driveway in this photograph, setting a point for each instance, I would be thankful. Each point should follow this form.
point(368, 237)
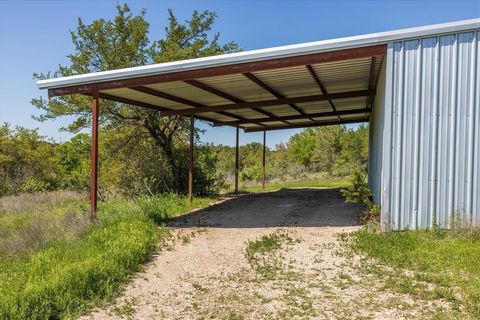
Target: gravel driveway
point(206, 273)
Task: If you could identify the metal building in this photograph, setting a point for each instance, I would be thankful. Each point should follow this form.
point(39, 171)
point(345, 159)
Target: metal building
point(419, 88)
point(425, 130)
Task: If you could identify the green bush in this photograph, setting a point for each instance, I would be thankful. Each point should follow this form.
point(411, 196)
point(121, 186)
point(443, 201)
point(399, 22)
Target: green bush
point(359, 192)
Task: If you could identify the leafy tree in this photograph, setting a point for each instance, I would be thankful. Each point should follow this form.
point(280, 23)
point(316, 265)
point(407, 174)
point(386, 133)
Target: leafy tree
point(124, 42)
point(354, 151)
point(317, 148)
point(26, 161)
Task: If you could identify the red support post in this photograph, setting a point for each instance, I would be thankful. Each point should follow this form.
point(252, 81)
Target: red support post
point(190, 167)
point(263, 159)
point(236, 159)
point(94, 160)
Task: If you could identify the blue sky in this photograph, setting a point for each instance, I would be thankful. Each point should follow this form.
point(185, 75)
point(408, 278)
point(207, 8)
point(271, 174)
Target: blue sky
point(34, 37)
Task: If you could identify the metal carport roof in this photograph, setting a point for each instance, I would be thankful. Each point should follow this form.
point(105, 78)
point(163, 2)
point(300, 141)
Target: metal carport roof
point(310, 84)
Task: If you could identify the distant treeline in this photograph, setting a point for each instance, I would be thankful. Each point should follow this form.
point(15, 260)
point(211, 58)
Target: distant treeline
point(133, 165)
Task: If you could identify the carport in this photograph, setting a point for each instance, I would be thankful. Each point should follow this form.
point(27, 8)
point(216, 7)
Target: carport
point(306, 85)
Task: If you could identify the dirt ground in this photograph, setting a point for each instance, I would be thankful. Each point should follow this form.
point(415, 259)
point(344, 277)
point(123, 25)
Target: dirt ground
point(206, 272)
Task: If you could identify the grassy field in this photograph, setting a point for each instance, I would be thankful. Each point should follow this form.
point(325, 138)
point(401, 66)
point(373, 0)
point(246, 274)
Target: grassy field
point(307, 183)
point(445, 264)
point(55, 263)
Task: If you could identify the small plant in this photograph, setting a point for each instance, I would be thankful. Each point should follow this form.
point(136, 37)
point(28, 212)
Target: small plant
point(359, 192)
point(261, 253)
point(127, 309)
point(371, 215)
point(198, 287)
point(235, 316)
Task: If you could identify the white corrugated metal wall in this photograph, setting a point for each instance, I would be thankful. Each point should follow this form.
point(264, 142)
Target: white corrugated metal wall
point(425, 131)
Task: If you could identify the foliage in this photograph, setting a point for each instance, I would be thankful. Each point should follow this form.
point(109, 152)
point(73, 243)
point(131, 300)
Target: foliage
point(444, 259)
point(125, 42)
point(26, 161)
point(316, 182)
point(358, 191)
point(130, 164)
point(335, 151)
point(65, 277)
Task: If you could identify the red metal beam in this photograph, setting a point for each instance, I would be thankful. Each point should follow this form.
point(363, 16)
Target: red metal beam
point(316, 124)
point(275, 63)
point(190, 153)
point(237, 138)
point(272, 91)
point(94, 160)
point(323, 90)
point(148, 106)
point(181, 100)
point(300, 117)
point(266, 103)
point(263, 158)
point(224, 95)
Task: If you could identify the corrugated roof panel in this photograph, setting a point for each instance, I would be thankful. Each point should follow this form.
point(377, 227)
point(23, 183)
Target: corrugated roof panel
point(290, 82)
point(238, 86)
point(350, 103)
point(247, 113)
point(186, 91)
point(280, 109)
point(251, 125)
point(146, 98)
point(217, 116)
point(360, 116)
point(273, 123)
point(300, 121)
point(343, 76)
point(329, 118)
point(315, 107)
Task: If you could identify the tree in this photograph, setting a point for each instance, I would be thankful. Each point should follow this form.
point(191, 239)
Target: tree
point(27, 162)
point(317, 147)
point(124, 42)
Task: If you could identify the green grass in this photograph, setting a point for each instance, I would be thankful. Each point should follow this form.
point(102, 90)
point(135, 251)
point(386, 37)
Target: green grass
point(260, 253)
point(310, 183)
point(65, 276)
point(447, 259)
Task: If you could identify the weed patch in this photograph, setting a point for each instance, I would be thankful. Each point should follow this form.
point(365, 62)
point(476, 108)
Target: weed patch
point(432, 264)
point(65, 276)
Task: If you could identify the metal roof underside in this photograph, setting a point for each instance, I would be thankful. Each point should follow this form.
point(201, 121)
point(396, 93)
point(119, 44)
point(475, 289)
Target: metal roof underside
point(322, 83)
point(357, 76)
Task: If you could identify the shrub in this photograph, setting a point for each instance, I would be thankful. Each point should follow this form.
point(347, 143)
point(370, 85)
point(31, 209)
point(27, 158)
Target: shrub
point(359, 192)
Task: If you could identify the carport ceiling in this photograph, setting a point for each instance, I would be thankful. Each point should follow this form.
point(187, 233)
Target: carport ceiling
point(303, 90)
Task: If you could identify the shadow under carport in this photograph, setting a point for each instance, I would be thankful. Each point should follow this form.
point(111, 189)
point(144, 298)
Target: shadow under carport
point(283, 208)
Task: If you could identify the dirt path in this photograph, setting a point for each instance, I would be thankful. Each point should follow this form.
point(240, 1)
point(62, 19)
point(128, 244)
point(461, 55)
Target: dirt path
point(220, 267)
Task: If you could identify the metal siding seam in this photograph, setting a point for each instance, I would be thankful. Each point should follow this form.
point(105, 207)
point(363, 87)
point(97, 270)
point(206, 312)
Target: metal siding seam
point(471, 132)
point(442, 141)
point(398, 103)
point(476, 173)
point(435, 124)
point(463, 140)
point(407, 134)
point(425, 102)
point(387, 143)
point(417, 135)
point(452, 138)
